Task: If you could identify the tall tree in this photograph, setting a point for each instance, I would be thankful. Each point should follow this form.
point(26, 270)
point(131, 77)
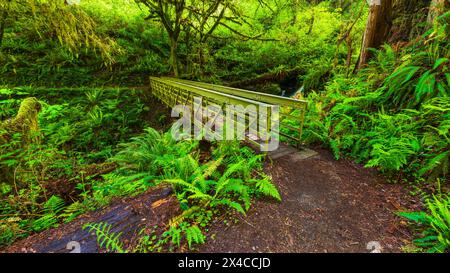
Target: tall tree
point(377, 28)
point(171, 14)
point(198, 17)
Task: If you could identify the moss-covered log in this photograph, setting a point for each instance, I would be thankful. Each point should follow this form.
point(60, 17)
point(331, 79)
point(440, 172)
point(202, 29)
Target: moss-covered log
point(269, 77)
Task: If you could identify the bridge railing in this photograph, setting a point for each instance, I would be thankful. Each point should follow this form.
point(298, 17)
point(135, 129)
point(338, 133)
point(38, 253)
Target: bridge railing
point(175, 91)
point(292, 113)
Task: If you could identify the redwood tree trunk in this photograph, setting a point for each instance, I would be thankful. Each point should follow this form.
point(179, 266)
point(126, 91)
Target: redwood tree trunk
point(377, 28)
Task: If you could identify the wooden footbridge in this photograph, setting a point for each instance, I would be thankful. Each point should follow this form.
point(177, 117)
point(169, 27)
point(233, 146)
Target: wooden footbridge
point(174, 92)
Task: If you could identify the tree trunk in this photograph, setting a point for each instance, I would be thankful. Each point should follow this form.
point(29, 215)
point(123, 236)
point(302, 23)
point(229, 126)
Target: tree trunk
point(377, 28)
point(174, 57)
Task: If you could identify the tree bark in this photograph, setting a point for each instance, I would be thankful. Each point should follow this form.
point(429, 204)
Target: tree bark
point(377, 28)
point(174, 57)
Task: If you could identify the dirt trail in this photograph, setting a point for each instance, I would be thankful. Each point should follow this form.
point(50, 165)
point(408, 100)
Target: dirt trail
point(328, 206)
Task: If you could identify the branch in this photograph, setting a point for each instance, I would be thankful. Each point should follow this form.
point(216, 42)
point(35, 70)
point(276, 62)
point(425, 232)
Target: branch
point(216, 23)
point(246, 36)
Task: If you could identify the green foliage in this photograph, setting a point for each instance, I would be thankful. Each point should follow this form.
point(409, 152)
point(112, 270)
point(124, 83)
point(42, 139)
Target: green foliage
point(70, 142)
point(435, 222)
point(105, 237)
point(422, 75)
point(115, 44)
point(52, 207)
point(392, 115)
point(392, 141)
point(154, 152)
point(193, 234)
point(87, 46)
point(83, 127)
point(227, 180)
point(294, 46)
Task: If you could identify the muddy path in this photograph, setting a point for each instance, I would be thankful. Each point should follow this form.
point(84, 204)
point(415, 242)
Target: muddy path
point(328, 206)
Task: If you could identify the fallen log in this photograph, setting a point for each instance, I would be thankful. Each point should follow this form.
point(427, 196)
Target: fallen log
point(269, 77)
point(128, 216)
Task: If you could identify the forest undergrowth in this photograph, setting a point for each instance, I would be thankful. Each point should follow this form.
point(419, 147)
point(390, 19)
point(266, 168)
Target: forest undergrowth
point(75, 135)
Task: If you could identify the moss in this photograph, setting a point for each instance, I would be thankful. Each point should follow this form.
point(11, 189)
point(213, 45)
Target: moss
point(24, 123)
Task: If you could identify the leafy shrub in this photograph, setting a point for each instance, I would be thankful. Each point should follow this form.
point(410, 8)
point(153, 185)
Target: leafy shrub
point(70, 140)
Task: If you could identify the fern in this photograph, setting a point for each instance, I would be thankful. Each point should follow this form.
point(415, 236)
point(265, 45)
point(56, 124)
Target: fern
point(265, 187)
point(105, 237)
point(73, 211)
point(229, 203)
point(52, 207)
point(176, 221)
point(436, 237)
point(437, 166)
point(421, 76)
point(94, 96)
point(194, 235)
point(175, 235)
point(44, 222)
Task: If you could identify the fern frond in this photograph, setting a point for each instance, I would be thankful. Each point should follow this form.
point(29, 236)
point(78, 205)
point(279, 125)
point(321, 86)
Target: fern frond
point(229, 203)
point(105, 237)
point(54, 204)
point(194, 235)
point(176, 221)
point(265, 187)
